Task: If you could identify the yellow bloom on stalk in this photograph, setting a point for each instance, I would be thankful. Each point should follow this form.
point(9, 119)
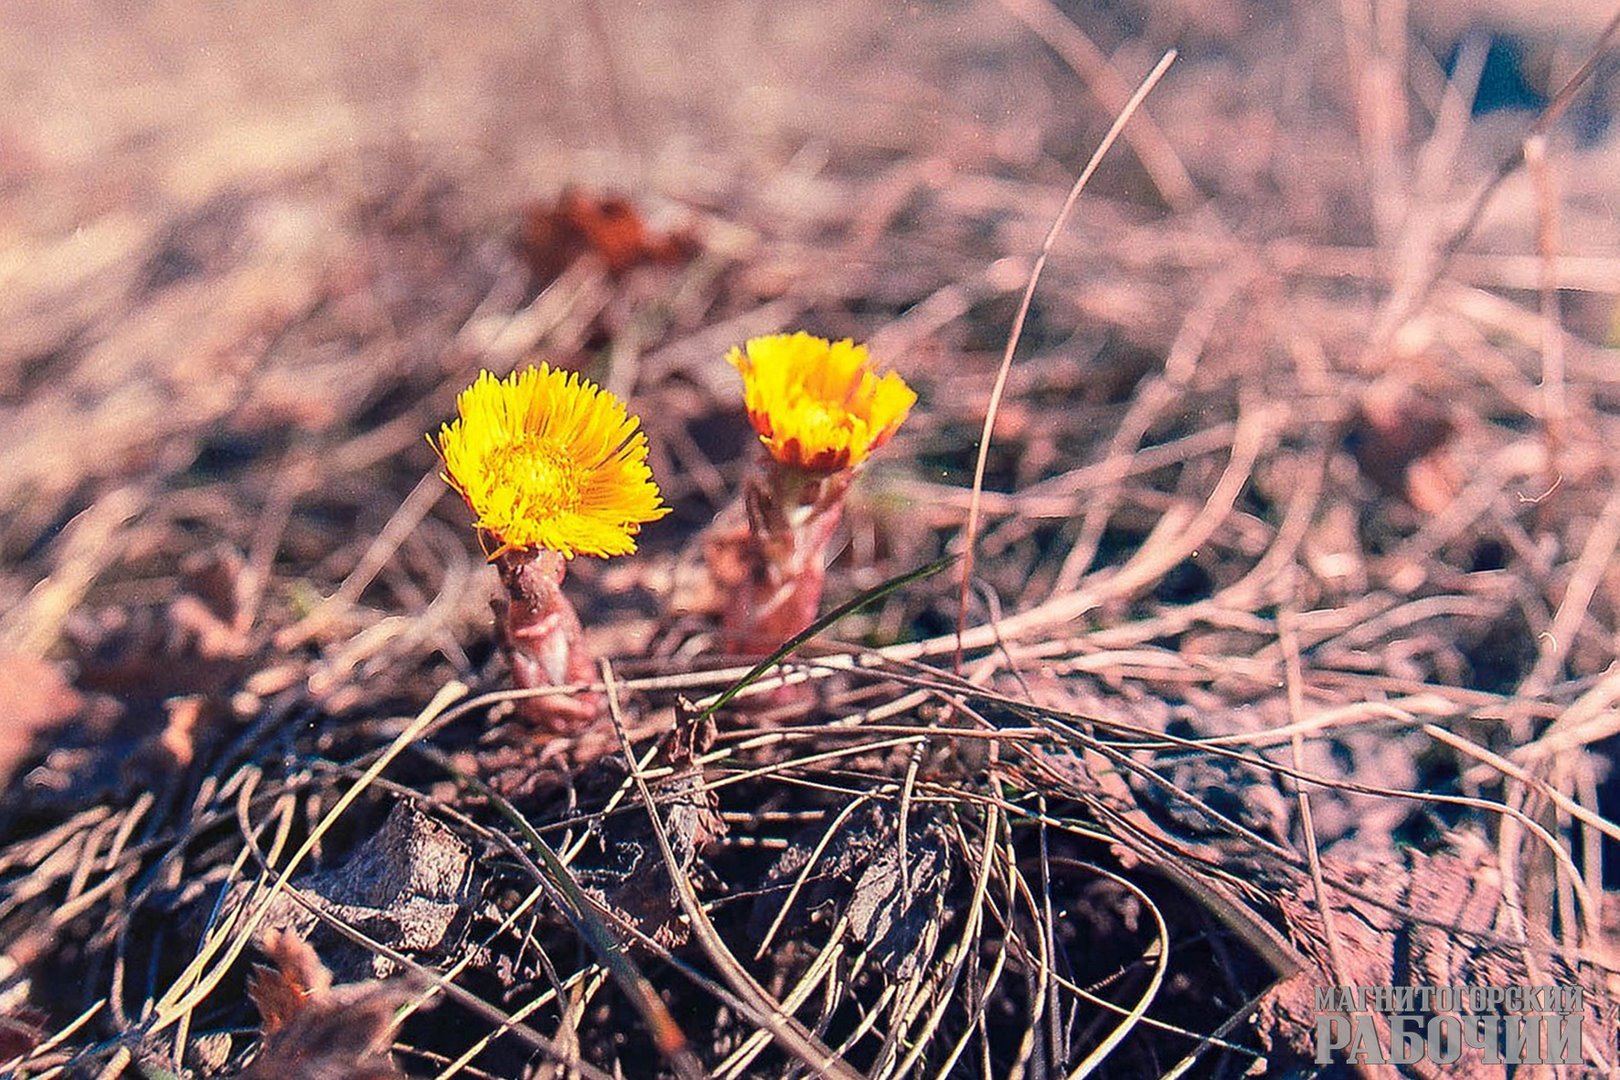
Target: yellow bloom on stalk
point(546, 459)
point(816, 404)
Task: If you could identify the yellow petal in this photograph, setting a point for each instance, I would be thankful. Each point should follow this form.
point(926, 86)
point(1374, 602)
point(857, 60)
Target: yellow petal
point(545, 459)
point(816, 404)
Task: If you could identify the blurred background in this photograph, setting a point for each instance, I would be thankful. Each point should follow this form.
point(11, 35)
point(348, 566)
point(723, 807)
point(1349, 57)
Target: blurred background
point(1285, 366)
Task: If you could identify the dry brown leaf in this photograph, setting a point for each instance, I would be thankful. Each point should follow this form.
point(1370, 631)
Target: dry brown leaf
point(214, 611)
point(20, 1032)
point(607, 226)
point(314, 1030)
point(409, 883)
point(1400, 440)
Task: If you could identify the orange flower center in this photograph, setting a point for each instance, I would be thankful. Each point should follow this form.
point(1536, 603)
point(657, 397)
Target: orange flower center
point(548, 478)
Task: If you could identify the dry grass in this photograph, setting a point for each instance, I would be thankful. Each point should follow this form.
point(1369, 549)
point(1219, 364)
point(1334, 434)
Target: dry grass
point(1288, 654)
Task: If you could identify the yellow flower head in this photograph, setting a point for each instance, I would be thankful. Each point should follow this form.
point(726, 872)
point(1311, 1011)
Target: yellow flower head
point(548, 460)
point(818, 404)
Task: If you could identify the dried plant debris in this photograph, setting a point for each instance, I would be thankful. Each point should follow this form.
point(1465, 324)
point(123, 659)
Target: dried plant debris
point(853, 871)
point(607, 226)
point(409, 885)
point(314, 1030)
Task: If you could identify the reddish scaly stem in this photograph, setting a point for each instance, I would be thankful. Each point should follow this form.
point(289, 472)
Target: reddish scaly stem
point(544, 641)
point(769, 561)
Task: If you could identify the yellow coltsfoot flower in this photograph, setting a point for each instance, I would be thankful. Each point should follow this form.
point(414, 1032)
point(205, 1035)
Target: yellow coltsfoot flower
point(819, 405)
point(551, 466)
point(545, 459)
point(820, 408)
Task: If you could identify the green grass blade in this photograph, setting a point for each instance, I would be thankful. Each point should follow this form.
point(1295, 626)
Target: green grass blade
point(877, 592)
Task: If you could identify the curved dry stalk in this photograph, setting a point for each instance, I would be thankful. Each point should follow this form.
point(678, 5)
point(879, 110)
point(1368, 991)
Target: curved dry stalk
point(971, 530)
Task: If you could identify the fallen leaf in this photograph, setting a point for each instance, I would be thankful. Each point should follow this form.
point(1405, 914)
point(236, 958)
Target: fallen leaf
point(20, 1032)
point(607, 226)
point(314, 1030)
point(214, 611)
point(281, 992)
point(409, 883)
point(1400, 442)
